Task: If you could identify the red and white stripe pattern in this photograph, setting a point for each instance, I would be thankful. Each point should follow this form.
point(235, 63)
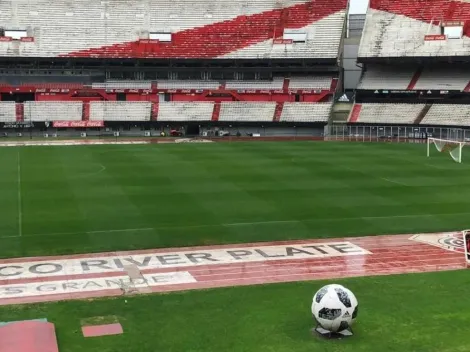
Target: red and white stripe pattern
point(205, 29)
point(396, 28)
point(25, 280)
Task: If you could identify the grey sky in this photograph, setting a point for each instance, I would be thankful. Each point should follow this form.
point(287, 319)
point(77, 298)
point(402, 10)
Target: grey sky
point(358, 7)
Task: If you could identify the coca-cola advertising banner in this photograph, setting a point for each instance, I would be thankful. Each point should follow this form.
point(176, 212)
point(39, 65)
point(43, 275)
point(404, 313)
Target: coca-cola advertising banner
point(77, 124)
point(433, 37)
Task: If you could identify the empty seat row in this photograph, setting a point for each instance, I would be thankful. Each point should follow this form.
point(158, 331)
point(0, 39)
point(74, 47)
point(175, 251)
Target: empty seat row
point(385, 77)
point(448, 115)
point(277, 83)
point(310, 82)
point(443, 79)
point(123, 85)
point(53, 111)
point(120, 111)
point(389, 113)
point(306, 112)
point(247, 111)
point(389, 77)
point(185, 111)
point(167, 111)
point(7, 111)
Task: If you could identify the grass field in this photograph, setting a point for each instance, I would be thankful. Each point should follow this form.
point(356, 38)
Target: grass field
point(413, 313)
point(60, 200)
point(101, 198)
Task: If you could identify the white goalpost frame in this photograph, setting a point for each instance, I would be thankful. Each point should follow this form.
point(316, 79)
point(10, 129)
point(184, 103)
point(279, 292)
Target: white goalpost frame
point(466, 245)
point(445, 145)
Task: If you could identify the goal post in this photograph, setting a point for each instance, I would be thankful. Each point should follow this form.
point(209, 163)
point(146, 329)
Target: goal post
point(466, 244)
point(454, 148)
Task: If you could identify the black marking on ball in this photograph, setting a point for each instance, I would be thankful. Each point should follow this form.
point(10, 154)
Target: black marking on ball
point(320, 294)
point(329, 314)
point(343, 297)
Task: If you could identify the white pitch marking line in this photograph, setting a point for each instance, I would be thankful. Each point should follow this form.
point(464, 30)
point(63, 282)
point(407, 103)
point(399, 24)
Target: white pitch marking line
point(240, 224)
point(369, 175)
point(102, 168)
point(435, 167)
point(20, 210)
point(392, 181)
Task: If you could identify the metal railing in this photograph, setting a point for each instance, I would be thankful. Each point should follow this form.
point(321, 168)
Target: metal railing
point(374, 133)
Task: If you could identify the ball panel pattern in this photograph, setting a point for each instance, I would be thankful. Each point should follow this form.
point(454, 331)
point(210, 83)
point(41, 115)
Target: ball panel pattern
point(343, 297)
point(329, 314)
point(321, 293)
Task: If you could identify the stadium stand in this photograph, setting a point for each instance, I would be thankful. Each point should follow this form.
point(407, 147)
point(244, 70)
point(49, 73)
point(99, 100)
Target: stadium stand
point(448, 115)
point(7, 111)
point(120, 111)
point(385, 113)
point(276, 83)
point(247, 112)
point(443, 78)
point(189, 84)
point(122, 85)
point(172, 29)
point(185, 111)
point(385, 77)
point(52, 111)
point(407, 28)
point(310, 82)
point(306, 112)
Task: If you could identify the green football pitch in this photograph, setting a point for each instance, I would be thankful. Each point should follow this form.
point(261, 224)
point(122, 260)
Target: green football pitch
point(60, 200)
point(81, 199)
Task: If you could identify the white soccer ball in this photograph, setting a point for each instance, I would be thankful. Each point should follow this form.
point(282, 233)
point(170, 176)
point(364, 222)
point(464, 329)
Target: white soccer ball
point(334, 308)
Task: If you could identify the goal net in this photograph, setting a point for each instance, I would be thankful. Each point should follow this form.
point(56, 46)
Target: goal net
point(454, 148)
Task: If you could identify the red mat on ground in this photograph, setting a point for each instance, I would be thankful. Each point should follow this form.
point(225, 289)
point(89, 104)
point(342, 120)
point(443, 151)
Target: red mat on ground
point(28, 336)
point(101, 330)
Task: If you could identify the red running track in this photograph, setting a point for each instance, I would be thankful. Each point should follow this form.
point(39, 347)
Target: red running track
point(396, 254)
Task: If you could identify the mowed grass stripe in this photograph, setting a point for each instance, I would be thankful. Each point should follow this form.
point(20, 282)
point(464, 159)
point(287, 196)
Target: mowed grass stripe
point(83, 199)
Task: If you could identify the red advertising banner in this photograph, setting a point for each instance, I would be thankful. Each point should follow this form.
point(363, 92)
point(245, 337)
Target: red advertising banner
point(453, 24)
point(6, 39)
point(27, 39)
point(432, 37)
point(77, 124)
point(282, 41)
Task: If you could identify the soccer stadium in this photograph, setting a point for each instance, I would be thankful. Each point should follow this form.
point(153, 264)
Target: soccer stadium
point(269, 175)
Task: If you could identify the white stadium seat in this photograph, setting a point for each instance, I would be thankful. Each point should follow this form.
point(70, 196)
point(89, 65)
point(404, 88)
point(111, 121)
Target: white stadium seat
point(443, 79)
point(123, 85)
point(7, 111)
point(276, 83)
point(189, 84)
point(120, 110)
point(306, 112)
point(247, 111)
point(185, 111)
point(382, 77)
point(448, 115)
point(53, 110)
point(310, 82)
point(389, 113)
